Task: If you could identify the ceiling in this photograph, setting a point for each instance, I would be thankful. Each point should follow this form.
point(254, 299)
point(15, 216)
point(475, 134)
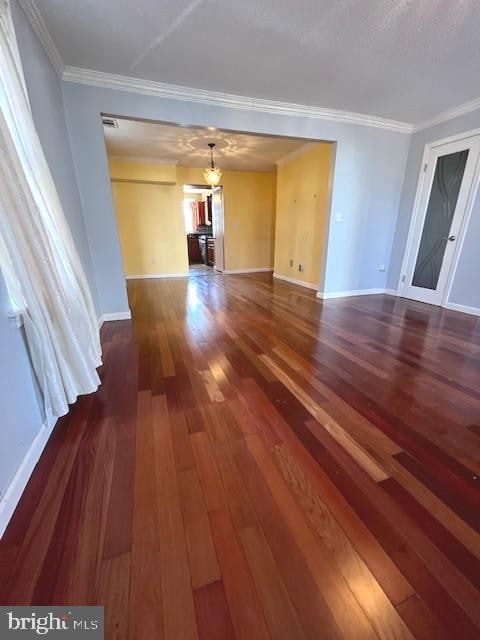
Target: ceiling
point(400, 59)
point(188, 146)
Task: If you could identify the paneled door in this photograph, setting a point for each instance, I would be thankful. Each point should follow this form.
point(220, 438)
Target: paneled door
point(448, 182)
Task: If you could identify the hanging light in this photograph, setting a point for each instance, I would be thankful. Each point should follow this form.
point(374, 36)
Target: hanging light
point(212, 174)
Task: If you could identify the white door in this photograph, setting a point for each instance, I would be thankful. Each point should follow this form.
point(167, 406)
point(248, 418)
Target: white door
point(437, 227)
point(217, 212)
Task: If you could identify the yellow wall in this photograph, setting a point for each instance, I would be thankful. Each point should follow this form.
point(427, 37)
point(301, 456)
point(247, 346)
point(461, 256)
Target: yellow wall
point(143, 171)
point(150, 220)
point(151, 224)
point(302, 212)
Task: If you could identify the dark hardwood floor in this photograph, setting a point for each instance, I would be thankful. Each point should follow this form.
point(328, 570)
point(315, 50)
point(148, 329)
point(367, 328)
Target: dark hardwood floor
point(259, 464)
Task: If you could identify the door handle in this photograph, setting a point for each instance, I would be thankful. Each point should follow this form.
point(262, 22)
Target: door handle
point(451, 238)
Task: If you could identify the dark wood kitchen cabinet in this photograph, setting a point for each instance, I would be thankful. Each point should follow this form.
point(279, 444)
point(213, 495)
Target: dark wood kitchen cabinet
point(210, 251)
point(194, 254)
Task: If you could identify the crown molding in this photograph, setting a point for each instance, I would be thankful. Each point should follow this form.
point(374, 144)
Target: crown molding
point(38, 25)
point(449, 114)
point(90, 77)
point(143, 160)
point(175, 92)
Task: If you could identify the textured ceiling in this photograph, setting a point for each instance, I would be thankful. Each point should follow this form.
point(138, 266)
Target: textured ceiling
point(401, 59)
point(188, 146)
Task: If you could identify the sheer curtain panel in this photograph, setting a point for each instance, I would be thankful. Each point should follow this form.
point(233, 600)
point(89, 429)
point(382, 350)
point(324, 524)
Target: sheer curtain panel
point(38, 258)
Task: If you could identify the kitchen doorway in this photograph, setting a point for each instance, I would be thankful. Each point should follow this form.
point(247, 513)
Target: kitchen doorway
point(203, 213)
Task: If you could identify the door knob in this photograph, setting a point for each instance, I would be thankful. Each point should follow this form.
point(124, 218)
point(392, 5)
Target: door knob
point(452, 238)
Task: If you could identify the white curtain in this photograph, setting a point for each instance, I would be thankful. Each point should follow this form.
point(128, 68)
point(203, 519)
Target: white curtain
point(38, 259)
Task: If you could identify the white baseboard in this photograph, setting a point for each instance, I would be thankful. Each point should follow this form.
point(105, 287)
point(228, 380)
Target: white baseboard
point(111, 317)
point(156, 276)
point(307, 285)
point(453, 306)
point(354, 292)
point(15, 489)
point(256, 270)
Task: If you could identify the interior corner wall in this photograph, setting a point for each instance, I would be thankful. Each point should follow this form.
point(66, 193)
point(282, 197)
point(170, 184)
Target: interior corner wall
point(303, 183)
point(369, 170)
point(150, 219)
point(463, 292)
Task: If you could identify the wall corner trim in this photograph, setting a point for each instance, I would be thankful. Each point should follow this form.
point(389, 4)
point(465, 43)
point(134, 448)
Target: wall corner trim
point(453, 306)
point(353, 292)
point(229, 272)
point(15, 489)
point(155, 276)
point(38, 25)
point(449, 114)
point(300, 283)
point(111, 317)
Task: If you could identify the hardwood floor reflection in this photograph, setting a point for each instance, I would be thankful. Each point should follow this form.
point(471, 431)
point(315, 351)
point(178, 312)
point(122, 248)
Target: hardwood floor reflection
point(259, 464)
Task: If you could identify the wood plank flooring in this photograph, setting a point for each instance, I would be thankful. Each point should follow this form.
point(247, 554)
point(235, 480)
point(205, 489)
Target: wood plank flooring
point(258, 464)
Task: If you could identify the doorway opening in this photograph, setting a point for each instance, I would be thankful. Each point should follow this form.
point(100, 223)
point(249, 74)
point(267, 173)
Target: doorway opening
point(269, 215)
point(203, 232)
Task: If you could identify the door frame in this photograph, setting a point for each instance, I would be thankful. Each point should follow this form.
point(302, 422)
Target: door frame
point(219, 225)
point(219, 232)
point(417, 212)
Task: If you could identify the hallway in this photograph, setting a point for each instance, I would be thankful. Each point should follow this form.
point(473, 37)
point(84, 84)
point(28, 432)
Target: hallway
point(261, 464)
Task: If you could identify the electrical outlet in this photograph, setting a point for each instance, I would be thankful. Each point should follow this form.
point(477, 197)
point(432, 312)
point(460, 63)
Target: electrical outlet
point(382, 267)
point(291, 263)
point(339, 217)
point(301, 267)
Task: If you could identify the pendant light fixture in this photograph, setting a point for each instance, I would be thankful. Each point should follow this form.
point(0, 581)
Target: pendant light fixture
point(212, 174)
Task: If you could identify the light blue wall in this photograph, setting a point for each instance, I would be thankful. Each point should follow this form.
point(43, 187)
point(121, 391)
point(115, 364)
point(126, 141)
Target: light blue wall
point(21, 415)
point(463, 292)
point(367, 187)
point(368, 178)
point(466, 287)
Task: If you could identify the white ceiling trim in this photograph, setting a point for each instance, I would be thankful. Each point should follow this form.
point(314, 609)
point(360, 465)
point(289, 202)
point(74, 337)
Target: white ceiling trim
point(38, 25)
point(449, 114)
point(187, 94)
point(175, 92)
